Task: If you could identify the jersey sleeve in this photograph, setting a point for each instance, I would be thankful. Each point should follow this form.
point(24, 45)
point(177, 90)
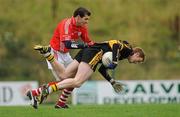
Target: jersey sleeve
point(104, 73)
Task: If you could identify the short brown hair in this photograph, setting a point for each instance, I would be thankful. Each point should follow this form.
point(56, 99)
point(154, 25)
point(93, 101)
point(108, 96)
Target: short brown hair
point(140, 51)
point(81, 11)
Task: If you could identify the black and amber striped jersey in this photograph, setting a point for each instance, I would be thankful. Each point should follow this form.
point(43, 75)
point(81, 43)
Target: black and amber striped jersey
point(93, 55)
point(120, 49)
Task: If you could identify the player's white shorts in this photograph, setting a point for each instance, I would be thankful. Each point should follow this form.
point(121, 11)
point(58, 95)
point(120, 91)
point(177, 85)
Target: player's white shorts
point(63, 58)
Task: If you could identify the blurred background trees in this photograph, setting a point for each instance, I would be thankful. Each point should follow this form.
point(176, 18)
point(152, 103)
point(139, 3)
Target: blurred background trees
point(153, 25)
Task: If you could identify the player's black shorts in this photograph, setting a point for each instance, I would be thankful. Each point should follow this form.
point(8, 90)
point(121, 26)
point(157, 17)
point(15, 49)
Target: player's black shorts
point(92, 56)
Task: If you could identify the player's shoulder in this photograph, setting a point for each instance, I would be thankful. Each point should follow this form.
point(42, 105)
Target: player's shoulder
point(65, 21)
point(126, 44)
point(112, 41)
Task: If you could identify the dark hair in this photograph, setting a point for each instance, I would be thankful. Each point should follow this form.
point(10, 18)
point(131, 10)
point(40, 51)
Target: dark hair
point(81, 12)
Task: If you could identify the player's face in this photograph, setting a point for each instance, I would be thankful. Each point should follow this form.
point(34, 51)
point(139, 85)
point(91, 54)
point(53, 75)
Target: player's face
point(135, 58)
point(82, 21)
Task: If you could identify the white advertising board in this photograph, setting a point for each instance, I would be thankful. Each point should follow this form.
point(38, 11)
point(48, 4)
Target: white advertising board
point(14, 93)
point(137, 91)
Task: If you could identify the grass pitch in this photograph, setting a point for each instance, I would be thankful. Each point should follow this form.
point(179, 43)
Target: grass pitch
point(137, 110)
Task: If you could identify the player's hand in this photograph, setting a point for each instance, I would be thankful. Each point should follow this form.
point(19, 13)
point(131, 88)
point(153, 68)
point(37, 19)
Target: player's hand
point(112, 65)
point(118, 87)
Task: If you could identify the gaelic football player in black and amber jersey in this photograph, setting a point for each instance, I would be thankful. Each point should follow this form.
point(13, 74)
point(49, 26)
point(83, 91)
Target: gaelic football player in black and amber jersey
point(84, 64)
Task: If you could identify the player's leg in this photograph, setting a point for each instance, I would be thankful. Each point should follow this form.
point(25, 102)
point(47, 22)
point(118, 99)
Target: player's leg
point(59, 69)
point(42, 93)
point(54, 63)
point(79, 79)
point(63, 97)
point(60, 61)
point(56, 66)
point(55, 75)
point(70, 71)
point(47, 53)
point(59, 74)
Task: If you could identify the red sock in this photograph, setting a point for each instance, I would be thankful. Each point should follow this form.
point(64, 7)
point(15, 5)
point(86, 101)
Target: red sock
point(64, 96)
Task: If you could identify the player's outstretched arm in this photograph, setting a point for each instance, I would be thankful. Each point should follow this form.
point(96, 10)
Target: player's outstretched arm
point(118, 87)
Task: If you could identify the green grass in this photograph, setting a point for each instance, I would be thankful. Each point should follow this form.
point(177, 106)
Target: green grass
point(139, 110)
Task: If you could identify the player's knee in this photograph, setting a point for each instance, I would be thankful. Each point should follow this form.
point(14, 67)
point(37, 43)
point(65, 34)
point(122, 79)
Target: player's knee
point(59, 77)
point(77, 83)
point(63, 77)
point(66, 75)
